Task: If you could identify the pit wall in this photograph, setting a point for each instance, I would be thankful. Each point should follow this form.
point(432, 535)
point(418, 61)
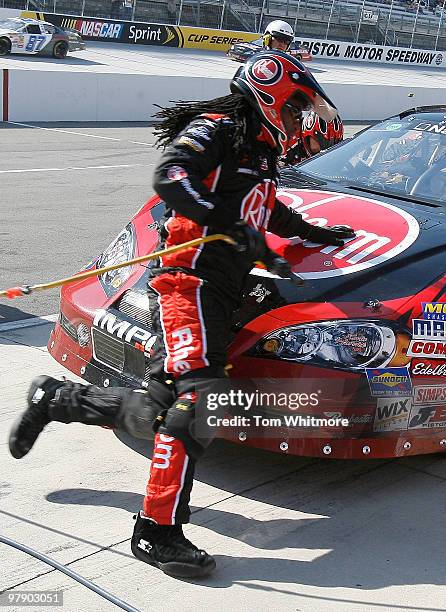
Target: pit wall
point(87, 96)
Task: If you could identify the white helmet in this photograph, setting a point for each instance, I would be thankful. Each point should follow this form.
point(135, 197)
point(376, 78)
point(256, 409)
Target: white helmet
point(280, 30)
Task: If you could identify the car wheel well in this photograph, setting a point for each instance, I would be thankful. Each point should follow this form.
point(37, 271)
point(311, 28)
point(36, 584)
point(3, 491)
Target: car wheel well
point(60, 49)
point(5, 46)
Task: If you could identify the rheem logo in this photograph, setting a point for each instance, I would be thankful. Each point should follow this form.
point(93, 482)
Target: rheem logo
point(162, 451)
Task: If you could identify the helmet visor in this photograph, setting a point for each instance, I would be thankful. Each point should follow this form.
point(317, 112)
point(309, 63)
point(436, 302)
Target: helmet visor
point(282, 37)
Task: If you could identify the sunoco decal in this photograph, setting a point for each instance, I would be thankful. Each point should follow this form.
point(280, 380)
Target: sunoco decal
point(383, 232)
point(389, 382)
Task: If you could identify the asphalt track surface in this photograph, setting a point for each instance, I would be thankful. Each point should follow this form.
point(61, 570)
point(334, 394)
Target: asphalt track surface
point(144, 59)
point(66, 192)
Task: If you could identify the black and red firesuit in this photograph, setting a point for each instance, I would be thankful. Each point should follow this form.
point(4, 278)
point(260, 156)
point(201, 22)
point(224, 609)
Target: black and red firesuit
point(210, 184)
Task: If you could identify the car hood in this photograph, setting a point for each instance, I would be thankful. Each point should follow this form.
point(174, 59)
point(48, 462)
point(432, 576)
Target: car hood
point(5, 32)
point(399, 250)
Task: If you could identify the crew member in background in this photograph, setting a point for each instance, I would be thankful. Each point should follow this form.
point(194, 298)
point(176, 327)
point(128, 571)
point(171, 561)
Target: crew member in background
point(278, 36)
point(316, 135)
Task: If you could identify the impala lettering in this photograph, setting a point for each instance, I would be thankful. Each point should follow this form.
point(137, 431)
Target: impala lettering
point(123, 329)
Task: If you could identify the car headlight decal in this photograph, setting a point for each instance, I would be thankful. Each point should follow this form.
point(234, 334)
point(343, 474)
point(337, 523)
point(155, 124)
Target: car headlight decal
point(349, 345)
point(120, 250)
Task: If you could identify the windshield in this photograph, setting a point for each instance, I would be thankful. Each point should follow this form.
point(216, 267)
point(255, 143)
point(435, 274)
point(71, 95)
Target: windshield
point(11, 24)
point(401, 158)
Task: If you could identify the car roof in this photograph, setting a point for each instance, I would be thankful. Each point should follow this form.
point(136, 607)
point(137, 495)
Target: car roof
point(26, 20)
point(438, 110)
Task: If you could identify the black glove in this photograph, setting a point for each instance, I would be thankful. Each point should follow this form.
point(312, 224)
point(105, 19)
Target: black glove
point(253, 244)
point(327, 235)
point(281, 267)
point(249, 241)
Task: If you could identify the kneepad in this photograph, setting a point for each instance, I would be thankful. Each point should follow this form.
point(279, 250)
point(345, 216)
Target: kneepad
point(141, 408)
point(187, 418)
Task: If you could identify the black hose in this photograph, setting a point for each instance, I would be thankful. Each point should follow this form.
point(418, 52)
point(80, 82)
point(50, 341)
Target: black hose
point(90, 585)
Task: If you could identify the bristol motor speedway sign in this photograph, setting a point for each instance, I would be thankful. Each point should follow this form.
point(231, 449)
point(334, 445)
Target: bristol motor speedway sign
point(331, 49)
point(383, 231)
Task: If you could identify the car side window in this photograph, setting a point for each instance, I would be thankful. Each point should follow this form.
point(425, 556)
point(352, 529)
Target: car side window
point(33, 29)
point(49, 29)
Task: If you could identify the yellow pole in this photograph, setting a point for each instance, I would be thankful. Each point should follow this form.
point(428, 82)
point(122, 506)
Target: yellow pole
point(26, 290)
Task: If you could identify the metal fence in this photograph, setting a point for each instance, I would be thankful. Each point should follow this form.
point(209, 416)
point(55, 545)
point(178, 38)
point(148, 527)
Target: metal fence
point(395, 22)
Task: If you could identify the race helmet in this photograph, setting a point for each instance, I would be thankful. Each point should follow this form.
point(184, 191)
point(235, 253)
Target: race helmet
point(272, 81)
point(280, 30)
point(318, 134)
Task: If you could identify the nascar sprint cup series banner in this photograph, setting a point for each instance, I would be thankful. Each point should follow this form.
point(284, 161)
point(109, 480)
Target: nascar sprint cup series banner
point(131, 32)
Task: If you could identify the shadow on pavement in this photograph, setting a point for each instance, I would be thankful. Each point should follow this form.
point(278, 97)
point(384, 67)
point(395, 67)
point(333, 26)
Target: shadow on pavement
point(35, 335)
point(366, 524)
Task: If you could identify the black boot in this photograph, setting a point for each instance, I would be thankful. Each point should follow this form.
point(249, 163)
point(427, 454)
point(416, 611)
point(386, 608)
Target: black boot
point(166, 547)
point(28, 426)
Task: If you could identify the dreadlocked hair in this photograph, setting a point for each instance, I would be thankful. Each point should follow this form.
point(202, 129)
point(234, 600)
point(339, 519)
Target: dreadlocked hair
point(175, 118)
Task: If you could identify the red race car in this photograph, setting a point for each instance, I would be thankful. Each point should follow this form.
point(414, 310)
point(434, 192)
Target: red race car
point(363, 342)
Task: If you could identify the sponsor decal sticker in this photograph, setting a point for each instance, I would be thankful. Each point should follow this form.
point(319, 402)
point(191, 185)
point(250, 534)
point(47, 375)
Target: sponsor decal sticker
point(383, 232)
point(392, 414)
point(435, 349)
point(389, 382)
point(427, 368)
point(176, 173)
point(192, 143)
point(429, 339)
point(354, 420)
point(429, 394)
point(260, 292)
point(428, 330)
point(265, 71)
point(436, 128)
point(434, 311)
point(427, 417)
